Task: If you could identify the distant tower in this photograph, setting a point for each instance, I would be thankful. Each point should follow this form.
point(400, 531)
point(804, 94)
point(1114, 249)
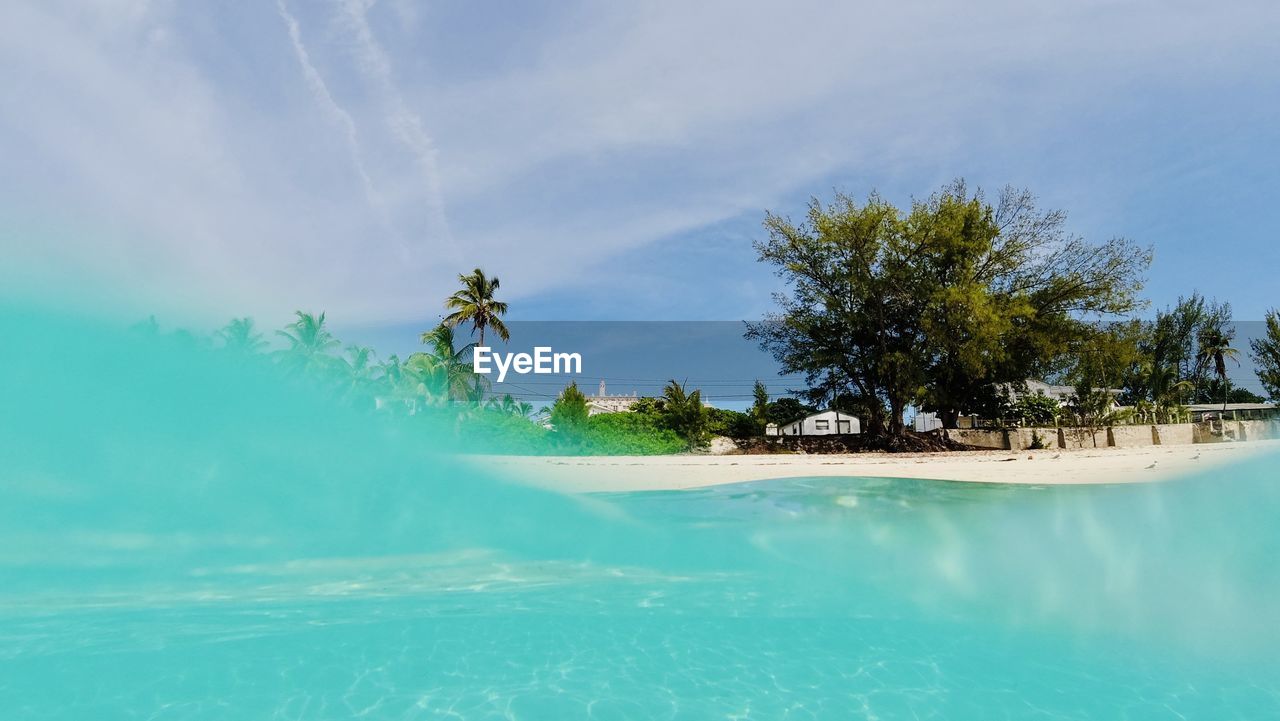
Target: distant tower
point(601, 393)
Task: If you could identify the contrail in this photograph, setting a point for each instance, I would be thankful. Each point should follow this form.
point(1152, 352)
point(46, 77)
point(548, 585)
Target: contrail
point(320, 90)
point(406, 125)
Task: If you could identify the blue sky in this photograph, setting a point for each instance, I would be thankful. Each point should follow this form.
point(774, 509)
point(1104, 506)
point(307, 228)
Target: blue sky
point(606, 160)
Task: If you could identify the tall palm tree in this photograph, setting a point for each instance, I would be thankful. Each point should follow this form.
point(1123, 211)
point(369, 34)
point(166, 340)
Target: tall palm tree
point(239, 336)
point(361, 371)
point(309, 343)
point(1166, 389)
point(1215, 347)
point(474, 303)
point(444, 369)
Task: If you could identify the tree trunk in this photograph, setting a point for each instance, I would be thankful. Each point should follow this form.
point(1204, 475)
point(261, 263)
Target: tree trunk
point(896, 426)
point(950, 418)
point(875, 422)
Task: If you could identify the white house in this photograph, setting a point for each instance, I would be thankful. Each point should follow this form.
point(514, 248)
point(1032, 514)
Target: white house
point(826, 423)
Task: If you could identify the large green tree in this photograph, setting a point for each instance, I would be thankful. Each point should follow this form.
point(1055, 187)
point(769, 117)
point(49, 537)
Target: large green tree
point(937, 306)
point(685, 414)
point(1100, 361)
point(1266, 355)
point(569, 413)
point(1173, 341)
point(851, 321)
point(475, 304)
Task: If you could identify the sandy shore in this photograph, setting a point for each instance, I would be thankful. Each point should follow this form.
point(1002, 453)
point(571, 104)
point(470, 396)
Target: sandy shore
point(1102, 465)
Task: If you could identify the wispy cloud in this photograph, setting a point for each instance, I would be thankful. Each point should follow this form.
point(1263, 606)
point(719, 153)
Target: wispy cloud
point(406, 124)
point(344, 120)
point(356, 156)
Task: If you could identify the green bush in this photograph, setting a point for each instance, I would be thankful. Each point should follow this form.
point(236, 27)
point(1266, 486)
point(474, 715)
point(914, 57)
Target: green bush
point(625, 434)
point(1036, 410)
point(493, 431)
point(733, 424)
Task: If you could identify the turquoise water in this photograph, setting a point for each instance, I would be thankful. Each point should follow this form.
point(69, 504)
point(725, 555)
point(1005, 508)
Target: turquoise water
point(183, 536)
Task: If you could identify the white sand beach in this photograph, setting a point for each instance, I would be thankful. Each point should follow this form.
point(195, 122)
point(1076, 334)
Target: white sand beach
point(1101, 465)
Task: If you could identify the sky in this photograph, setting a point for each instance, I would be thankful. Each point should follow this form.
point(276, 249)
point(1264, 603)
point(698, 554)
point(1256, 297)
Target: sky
point(608, 161)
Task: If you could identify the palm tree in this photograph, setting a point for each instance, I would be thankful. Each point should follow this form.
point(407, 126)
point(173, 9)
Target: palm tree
point(475, 304)
point(361, 369)
point(444, 370)
point(511, 406)
point(1215, 347)
point(685, 414)
point(239, 336)
point(1166, 389)
point(309, 342)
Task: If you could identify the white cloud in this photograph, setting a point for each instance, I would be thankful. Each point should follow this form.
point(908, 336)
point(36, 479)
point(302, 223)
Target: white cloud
point(355, 156)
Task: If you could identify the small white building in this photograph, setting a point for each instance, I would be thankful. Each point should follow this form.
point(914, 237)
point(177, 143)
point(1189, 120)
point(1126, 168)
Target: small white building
point(826, 423)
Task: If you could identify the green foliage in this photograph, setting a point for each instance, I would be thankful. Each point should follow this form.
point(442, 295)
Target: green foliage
point(649, 406)
point(1213, 392)
point(510, 406)
point(760, 404)
point(938, 305)
point(685, 414)
point(1178, 361)
point(443, 373)
point(733, 424)
point(569, 413)
point(1174, 337)
point(1036, 409)
point(628, 434)
point(239, 336)
point(309, 345)
point(1214, 352)
point(786, 409)
point(1266, 355)
point(474, 303)
point(1100, 362)
point(497, 431)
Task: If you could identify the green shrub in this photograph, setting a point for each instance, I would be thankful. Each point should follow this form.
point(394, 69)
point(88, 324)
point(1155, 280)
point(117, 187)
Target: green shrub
point(733, 424)
point(626, 434)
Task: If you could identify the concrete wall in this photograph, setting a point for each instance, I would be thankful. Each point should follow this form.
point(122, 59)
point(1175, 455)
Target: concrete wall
point(1021, 439)
point(1258, 430)
point(1081, 438)
point(996, 440)
point(1203, 433)
point(1168, 434)
point(1130, 436)
point(1173, 434)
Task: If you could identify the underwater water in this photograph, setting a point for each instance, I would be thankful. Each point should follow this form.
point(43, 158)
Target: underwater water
point(183, 536)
